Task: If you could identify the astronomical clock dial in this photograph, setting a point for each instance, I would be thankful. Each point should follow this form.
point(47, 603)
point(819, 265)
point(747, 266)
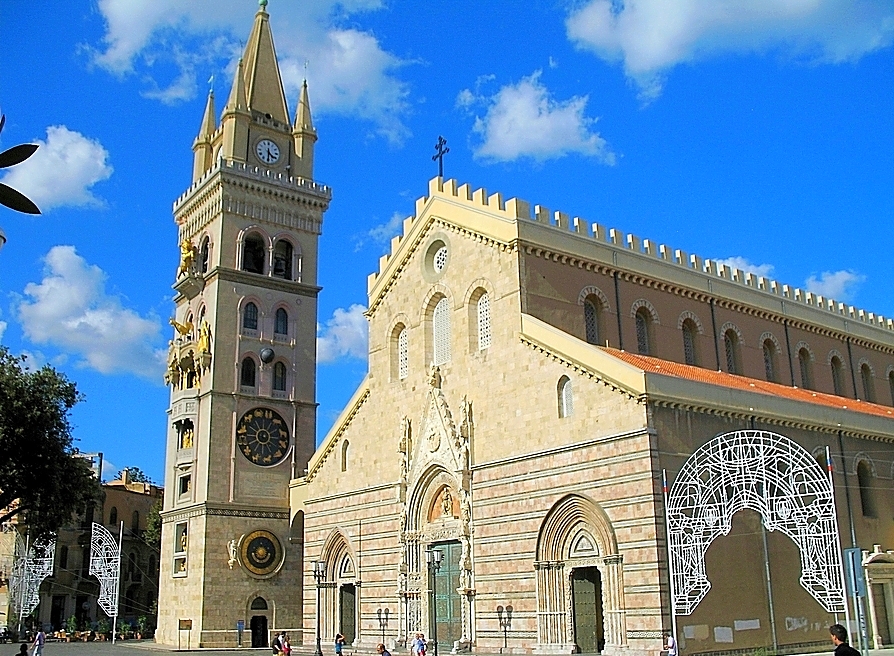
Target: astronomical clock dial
point(267, 151)
point(261, 553)
point(262, 437)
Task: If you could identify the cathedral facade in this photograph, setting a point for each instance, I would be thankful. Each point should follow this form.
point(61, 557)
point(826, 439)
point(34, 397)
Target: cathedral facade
point(533, 382)
point(569, 439)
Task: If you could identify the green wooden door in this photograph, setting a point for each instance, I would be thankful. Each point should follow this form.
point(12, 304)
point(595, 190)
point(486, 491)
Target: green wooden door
point(348, 605)
point(586, 591)
point(448, 609)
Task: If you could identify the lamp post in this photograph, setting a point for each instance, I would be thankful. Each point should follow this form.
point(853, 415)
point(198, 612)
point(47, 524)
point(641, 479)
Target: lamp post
point(319, 576)
point(504, 616)
point(433, 560)
point(382, 614)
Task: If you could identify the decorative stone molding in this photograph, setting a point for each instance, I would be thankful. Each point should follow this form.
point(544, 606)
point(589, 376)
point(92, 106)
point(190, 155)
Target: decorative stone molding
point(692, 317)
point(641, 302)
point(729, 325)
point(591, 290)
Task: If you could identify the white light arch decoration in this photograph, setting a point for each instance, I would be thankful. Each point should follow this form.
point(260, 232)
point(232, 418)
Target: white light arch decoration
point(105, 565)
point(770, 474)
point(31, 566)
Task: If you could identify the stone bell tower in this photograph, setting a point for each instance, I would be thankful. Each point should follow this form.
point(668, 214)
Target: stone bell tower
point(241, 365)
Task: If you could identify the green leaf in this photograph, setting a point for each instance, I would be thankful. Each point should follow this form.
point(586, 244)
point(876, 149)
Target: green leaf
point(16, 155)
point(16, 201)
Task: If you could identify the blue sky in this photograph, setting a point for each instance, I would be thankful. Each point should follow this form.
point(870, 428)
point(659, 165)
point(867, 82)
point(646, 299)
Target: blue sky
point(760, 130)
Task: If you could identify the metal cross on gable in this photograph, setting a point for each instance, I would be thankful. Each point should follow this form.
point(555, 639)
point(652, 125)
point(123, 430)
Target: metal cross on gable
point(441, 148)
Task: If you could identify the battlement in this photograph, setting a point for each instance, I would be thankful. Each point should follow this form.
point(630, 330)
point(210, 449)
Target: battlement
point(515, 209)
point(256, 173)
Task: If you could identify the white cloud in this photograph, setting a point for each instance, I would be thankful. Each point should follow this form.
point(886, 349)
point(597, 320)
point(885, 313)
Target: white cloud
point(524, 120)
point(765, 270)
point(839, 285)
point(383, 232)
point(345, 335)
point(62, 170)
point(70, 309)
point(652, 36)
point(2, 329)
point(349, 72)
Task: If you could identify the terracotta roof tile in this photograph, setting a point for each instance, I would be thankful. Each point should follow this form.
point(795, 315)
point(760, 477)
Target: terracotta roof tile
point(723, 379)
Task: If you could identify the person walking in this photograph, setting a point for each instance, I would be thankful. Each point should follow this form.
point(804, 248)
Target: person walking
point(839, 638)
point(339, 643)
point(39, 641)
point(670, 644)
point(380, 649)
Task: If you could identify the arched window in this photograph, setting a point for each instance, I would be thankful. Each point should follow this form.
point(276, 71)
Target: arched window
point(483, 321)
point(282, 260)
point(279, 377)
point(565, 397)
point(441, 329)
point(344, 455)
point(281, 322)
point(204, 254)
point(153, 564)
point(403, 366)
point(891, 385)
point(135, 521)
point(259, 603)
point(250, 317)
point(593, 319)
point(643, 331)
point(247, 375)
point(690, 330)
point(63, 557)
point(837, 375)
point(131, 563)
point(867, 496)
point(770, 361)
point(868, 383)
point(113, 516)
point(806, 368)
point(733, 355)
point(254, 253)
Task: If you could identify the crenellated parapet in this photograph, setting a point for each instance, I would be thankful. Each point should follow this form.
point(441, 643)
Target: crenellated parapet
point(514, 210)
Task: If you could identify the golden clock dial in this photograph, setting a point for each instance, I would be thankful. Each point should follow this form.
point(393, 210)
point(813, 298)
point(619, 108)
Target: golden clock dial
point(263, 437)
point(261, 553)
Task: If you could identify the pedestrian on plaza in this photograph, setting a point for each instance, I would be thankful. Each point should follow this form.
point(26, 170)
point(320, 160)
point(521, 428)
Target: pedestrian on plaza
point(286, 645)
point(23, 649)
point(839, 638)
point(39, 641)
point(380, 649)
point(419, 645)
point(276, 645)
point(670, 644)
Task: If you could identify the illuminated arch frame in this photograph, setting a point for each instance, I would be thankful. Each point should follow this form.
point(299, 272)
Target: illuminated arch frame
point(725, 476)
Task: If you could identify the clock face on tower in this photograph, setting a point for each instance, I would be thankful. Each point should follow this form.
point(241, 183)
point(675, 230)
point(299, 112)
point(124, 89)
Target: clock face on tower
point(261, 553)
point(262, 437)
point(267, 151)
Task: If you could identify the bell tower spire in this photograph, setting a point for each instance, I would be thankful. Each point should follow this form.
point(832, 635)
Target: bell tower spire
point(241, 366)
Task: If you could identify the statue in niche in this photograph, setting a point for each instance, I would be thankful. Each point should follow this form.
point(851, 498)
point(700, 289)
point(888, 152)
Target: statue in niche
point(465, 507)
point(187, 257)
point(184, 541)
point(204, 344)
point(434, 377)
point(447, 503)
point(186, 437)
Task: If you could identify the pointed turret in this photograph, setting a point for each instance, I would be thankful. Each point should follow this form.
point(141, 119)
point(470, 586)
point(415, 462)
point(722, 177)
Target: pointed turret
point(263, 83)
point(202, 145)
point(236, 119)
point(305, 137)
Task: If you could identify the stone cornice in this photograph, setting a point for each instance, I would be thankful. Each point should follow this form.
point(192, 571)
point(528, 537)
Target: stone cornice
point(197, 510)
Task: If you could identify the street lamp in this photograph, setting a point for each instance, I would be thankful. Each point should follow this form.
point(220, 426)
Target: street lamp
point(433, 560)
point(319, 577)
point(504, 615)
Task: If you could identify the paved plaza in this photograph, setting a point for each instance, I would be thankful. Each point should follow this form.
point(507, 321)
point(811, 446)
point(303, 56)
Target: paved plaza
point(148, 647)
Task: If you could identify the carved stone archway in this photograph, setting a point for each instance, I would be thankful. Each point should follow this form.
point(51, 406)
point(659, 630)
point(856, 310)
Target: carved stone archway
point(577, 533)
point(772, 475)
point(341, 570)
point(435, 469)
